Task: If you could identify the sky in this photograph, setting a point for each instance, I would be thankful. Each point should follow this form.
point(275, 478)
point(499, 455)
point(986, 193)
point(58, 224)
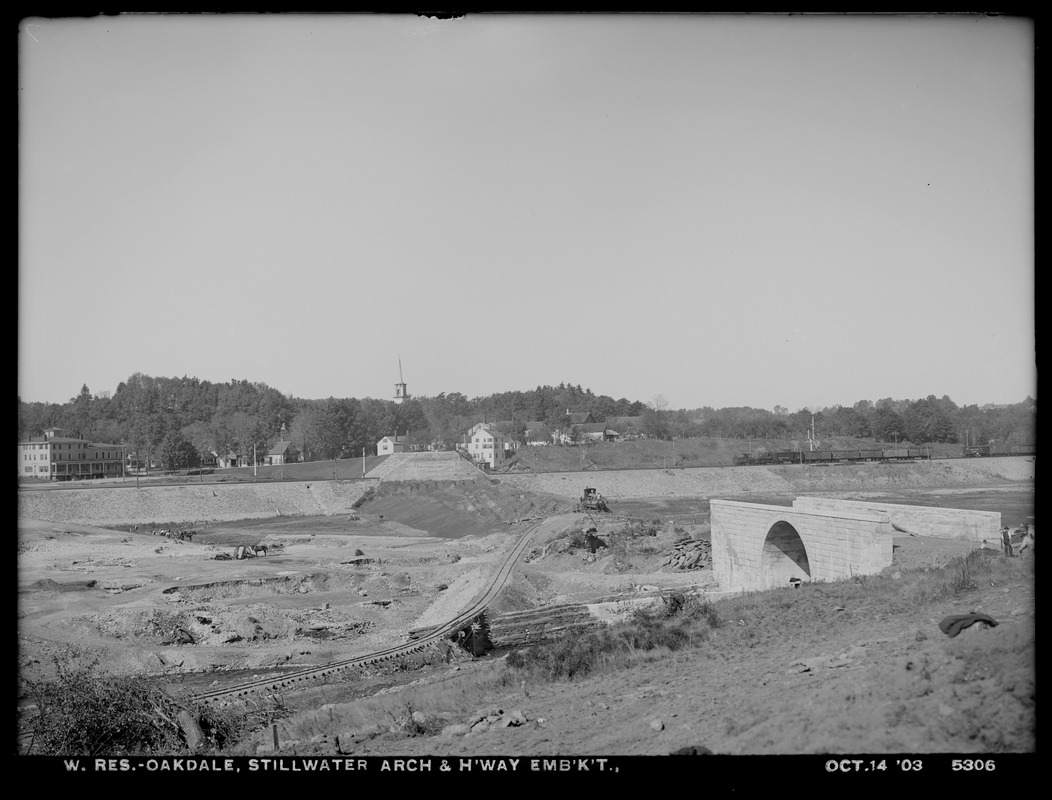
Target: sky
point(715, 210)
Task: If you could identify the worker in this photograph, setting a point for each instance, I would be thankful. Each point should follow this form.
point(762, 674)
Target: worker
point(1006, 540)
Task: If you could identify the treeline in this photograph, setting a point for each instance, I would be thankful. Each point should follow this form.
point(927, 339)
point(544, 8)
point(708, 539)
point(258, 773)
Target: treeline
point(180, 422)
point(915, 421)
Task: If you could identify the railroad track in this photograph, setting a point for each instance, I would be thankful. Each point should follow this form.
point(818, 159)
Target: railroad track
point(425, 638)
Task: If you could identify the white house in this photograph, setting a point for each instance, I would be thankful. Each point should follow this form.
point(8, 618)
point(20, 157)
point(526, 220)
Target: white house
point(486, 445)
point(229, 461)
point(390, 444)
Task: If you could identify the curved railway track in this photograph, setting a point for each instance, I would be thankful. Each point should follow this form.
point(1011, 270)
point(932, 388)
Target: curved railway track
point(425, 638)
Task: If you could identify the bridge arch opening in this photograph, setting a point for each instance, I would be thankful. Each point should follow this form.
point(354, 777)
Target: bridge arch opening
point(784, 556)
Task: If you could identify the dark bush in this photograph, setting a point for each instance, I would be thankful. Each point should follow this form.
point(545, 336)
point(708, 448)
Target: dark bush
point(365, 498)
point(84, 712)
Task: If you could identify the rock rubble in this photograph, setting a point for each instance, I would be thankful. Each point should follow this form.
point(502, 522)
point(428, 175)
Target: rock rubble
point(690, 554)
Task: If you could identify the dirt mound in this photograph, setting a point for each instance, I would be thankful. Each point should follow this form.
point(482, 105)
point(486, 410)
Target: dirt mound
point(451, 510)
point(48, 585)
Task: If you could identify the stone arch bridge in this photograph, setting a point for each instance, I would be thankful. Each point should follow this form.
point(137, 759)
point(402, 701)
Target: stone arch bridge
point(757, 547)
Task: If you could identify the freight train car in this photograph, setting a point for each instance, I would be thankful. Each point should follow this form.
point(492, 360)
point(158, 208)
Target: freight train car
point(833, 456)
point(989, 450)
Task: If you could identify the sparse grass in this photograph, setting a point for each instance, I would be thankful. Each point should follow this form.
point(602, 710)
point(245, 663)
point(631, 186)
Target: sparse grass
point(456, 695)
point(686, 620)
point(680, 621)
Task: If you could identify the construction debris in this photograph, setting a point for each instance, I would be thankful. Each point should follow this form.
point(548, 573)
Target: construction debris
point(690, 554)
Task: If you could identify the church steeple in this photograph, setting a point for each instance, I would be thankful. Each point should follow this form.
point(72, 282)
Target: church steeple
point(400, 390)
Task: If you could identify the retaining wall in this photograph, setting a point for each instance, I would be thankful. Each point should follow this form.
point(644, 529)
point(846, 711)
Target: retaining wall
point(945, 523)
point(757, 547)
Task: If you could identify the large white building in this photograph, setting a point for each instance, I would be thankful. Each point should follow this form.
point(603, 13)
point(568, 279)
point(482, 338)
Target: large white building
point(486, 445)
point(58, 458)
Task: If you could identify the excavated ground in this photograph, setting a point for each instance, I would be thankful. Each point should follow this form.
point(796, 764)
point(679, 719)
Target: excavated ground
point(345, 584)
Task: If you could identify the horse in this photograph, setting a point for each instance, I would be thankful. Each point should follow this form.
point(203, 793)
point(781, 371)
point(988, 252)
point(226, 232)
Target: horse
point(258, 548)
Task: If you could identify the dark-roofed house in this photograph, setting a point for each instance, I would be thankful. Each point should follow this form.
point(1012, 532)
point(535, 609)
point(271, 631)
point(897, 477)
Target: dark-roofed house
point(537, 433)
point(579, 418)
point(280, 453)
point(625, 428)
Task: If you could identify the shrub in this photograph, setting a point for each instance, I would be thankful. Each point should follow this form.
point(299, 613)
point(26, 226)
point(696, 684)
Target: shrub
point(684, 606)
point(576, 656)
point(577, 540)
point(83, 712)
point(222, 727)
point(962, 573)
point(370, 493)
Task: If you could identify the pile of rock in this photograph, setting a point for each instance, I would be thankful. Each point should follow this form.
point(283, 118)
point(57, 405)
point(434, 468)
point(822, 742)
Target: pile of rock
point(690, 554)
point(487, 719)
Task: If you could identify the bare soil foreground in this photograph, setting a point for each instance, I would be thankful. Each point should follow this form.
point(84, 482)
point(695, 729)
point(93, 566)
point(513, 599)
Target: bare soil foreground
point(852, 667)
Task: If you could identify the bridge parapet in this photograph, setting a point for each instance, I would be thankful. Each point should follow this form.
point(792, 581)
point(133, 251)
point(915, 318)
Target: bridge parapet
point(944, 523)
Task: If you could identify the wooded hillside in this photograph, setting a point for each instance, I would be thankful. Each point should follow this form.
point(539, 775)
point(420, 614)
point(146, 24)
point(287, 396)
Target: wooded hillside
point(180, 422)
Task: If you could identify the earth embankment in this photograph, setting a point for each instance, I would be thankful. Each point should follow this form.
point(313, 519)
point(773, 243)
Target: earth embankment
point(720, 481)
point(187, 504)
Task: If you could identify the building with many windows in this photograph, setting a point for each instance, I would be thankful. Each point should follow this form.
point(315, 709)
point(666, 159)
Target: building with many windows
point(55, 457)
point(486, 445)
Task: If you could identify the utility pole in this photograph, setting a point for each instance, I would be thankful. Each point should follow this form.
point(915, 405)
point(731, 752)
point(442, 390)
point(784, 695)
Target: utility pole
point(363, 462)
